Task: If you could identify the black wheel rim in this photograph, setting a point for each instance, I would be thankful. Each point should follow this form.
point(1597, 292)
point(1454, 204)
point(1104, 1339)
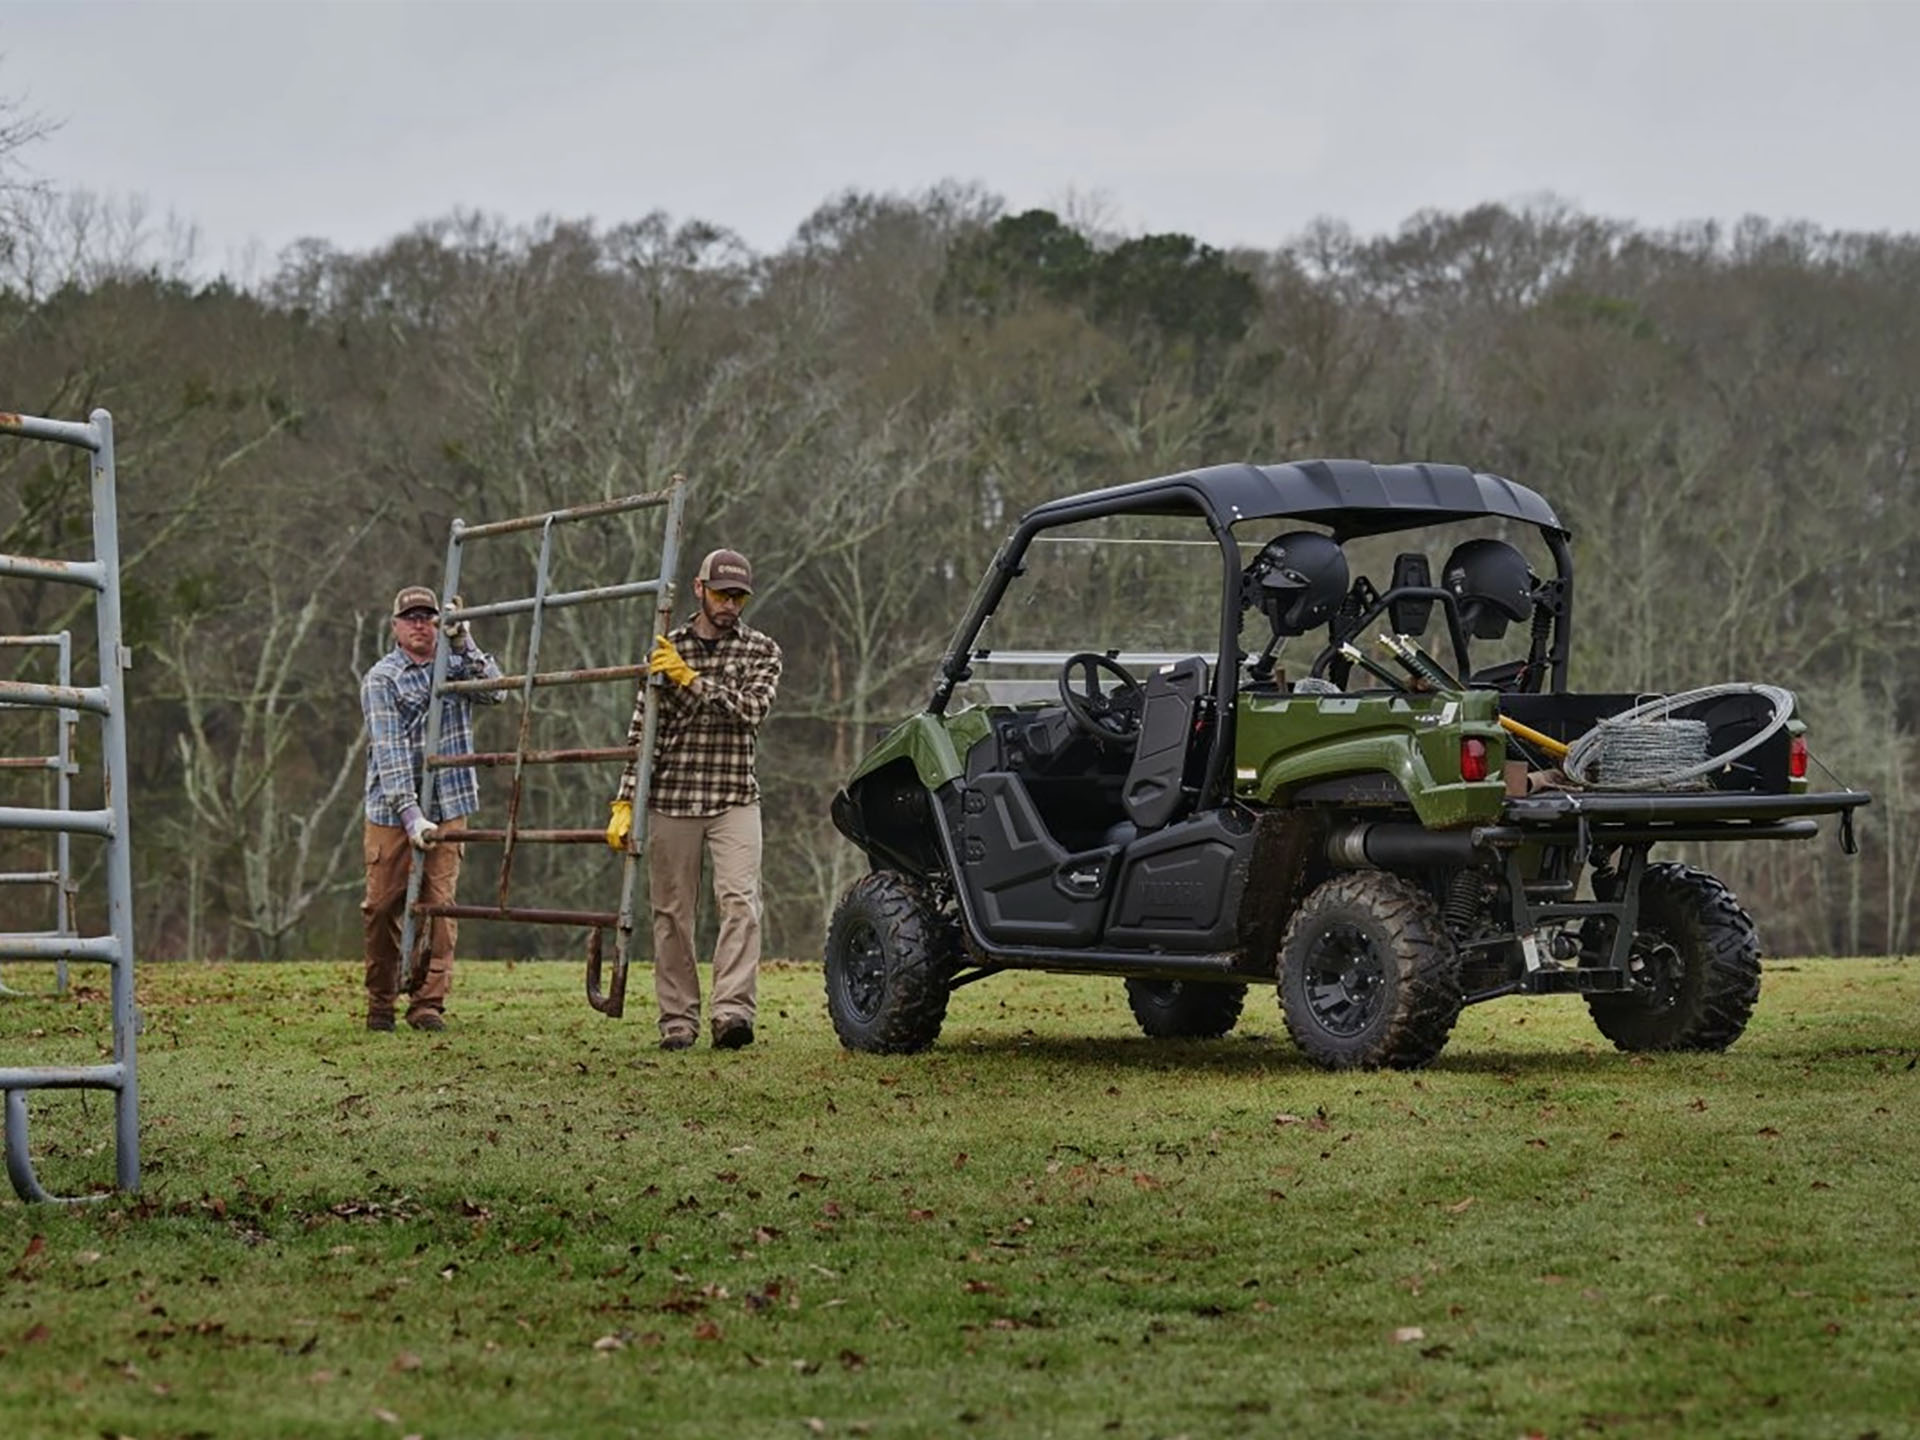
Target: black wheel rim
point(1655, 967)
point(1346, 980)
point(864, 971)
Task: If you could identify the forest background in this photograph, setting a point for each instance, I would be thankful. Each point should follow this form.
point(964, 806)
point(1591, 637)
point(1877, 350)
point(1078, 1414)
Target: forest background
point(1725, 417)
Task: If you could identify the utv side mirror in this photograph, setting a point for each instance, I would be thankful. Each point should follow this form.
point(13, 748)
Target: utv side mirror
point(1408, 613)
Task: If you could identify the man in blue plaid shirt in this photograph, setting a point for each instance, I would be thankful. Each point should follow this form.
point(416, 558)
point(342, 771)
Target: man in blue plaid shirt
point(401, 817)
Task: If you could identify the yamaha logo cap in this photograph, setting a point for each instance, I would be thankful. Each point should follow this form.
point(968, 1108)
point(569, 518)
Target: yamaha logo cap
point(415, 597)
point(726, 570)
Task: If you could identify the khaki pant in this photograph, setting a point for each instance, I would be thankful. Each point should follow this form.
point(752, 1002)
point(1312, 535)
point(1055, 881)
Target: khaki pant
point(388, 856)
point(731, 840)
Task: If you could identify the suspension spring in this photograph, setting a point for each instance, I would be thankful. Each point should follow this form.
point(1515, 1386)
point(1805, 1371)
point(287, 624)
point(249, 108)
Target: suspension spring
point(1465, 902)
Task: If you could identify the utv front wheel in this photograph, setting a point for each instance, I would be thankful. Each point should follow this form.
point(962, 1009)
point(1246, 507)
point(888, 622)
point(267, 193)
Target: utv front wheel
point(1184, 1009)
point(1368, 976)
point(1695, 964)
point(890, 955)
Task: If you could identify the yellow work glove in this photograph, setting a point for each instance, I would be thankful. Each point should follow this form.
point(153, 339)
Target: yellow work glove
point(619, 824)
point(666, 661)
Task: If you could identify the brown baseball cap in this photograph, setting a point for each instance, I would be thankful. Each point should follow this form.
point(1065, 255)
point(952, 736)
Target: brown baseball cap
point(726, 570)
point(415, 597)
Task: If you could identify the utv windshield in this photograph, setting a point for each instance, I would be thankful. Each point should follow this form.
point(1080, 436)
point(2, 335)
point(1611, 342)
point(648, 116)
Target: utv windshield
point(1142, 589)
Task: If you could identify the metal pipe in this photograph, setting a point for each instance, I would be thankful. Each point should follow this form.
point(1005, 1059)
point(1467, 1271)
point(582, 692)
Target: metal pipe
point(550, 677)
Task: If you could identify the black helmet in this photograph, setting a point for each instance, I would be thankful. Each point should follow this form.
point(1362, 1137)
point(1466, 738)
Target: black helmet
point(1493, 584)
point(1298, 580)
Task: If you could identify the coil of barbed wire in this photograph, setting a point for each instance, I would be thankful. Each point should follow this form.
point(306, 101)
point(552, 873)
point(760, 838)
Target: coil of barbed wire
point(1645, 748)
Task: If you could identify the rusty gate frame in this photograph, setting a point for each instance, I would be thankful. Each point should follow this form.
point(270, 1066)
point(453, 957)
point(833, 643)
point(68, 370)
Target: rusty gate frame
point(414, 936)
point(60, 769)
point(107, 700)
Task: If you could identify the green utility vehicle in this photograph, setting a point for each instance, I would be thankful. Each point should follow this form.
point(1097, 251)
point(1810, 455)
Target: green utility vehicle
point(1404, 827)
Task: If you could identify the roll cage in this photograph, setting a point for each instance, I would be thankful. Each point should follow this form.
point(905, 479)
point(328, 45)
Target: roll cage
point(1351, 498)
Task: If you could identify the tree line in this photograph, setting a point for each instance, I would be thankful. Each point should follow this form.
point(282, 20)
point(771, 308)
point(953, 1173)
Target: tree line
point(1725, 418)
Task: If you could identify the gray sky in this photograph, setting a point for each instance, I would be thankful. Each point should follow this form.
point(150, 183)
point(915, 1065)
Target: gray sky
point(1238, 123)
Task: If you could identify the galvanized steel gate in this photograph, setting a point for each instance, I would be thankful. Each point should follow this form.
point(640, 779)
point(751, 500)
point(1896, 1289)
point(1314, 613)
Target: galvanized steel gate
point(58, 768)
point(414, 935)
point(114, 949)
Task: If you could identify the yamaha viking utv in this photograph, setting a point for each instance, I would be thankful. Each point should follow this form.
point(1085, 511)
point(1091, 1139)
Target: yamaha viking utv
point(1406, 826)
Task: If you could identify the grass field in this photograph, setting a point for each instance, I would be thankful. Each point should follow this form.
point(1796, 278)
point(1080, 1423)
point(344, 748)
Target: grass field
point(536, 1224)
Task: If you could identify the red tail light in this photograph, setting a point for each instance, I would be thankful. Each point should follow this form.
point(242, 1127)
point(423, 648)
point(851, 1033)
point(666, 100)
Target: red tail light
point(1797, 758)
point(1473, 759)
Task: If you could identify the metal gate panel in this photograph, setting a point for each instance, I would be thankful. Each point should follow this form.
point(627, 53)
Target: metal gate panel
point(58, 768)
point(114, 949)
point(660, 588)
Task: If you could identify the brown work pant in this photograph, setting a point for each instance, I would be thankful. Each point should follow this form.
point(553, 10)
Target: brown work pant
point(731, 840)
point(384, 908)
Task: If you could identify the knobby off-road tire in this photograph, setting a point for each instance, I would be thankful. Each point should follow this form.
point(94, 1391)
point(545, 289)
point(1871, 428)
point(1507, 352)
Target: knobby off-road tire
point(1699, 956)
point(889, 960)
point(1368, 977)
point(1185, 1009)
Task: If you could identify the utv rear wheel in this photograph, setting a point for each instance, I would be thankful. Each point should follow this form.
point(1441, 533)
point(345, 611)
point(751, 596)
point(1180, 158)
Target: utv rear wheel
point(1368, 976)
point(1695, 963)
point(1185, 1009)
point(890, 956)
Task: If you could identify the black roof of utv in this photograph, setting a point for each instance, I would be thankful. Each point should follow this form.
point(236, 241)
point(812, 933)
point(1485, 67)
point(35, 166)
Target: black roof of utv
point(1351, 497)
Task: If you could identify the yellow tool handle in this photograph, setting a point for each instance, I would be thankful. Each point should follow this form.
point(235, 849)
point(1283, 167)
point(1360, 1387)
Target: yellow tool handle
point(1533, 737)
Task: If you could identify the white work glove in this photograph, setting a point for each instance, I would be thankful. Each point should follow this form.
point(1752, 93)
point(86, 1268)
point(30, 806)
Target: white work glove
point(458, 632)
point(419, 829)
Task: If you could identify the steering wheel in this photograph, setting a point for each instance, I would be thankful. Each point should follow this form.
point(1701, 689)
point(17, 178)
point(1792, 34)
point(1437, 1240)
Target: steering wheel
point(1111, 717)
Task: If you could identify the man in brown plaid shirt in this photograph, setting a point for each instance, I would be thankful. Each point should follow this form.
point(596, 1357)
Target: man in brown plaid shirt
point(720, 676)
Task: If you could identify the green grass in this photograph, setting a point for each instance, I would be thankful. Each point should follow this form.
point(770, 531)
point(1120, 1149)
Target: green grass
point(536, 1224)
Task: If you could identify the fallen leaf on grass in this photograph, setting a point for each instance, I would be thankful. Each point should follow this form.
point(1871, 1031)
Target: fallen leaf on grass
point(913, 1214)
point(1407, 1334)
point(1461, 1207)
point(609, 1342)
point(706, 1330)
point(386, 1417)
point(405, 1361)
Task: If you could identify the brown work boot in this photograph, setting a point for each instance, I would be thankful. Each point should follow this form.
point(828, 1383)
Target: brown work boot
point(732, 1034)
point(427, 1020)
point(380, 1020)
point(677, 1040)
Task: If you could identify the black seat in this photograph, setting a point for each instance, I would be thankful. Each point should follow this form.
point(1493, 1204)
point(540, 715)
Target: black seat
point(1154, 791)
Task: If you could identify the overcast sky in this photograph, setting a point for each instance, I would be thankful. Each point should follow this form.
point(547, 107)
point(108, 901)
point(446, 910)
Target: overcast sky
point(264, 122)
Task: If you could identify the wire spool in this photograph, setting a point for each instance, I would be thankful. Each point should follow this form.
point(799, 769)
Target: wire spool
point(1645, 748)
point(1645, 755)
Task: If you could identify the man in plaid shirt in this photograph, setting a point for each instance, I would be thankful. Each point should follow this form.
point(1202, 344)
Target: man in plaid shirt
point(393, 696)
point(720, 676)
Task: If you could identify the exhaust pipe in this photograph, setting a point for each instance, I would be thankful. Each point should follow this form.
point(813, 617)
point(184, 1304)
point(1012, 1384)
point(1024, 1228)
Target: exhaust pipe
point(1397, 845)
